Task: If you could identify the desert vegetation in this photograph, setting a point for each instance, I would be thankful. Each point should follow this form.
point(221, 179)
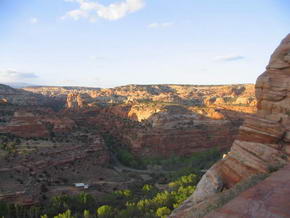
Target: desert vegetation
point(140, 199)
point(146, 201)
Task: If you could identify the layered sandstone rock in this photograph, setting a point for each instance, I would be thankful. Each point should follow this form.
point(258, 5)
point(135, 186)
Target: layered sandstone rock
point(171, 130)
point(263, 142)
point(166, 129)
point(75, 101)
point(39, 123)
point(162, 119)
point(25, 124)
point(135, 94)
point(22, 176)
point(261, 201)
point(176, 130)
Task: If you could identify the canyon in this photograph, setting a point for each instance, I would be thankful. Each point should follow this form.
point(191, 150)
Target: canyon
point(261, 146)
point(53, 138)
point(165, 114)
point(49, 130)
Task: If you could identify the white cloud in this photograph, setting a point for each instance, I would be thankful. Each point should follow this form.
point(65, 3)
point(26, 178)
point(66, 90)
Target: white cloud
point(12, 75)
point(228, 58)
point(91, 10)
point(33, 20)
point(160, 25)
point(77, 14)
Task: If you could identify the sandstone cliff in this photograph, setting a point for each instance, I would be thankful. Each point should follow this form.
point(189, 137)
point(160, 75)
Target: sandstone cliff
point(162, 119)
point(260, 201)
point(263, 142)
point(194, 95)
point(39, 123)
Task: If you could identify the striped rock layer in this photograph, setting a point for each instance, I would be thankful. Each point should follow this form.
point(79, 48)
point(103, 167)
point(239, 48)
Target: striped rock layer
point(263, 142)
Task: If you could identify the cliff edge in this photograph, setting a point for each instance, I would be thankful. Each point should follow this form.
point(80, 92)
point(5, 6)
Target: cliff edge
point(263, 142)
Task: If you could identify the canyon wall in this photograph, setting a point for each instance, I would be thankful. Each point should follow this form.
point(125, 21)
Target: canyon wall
point(263, 142)
point(38, 123)
point(152, 120)
point(162, 120)
point(194, 95)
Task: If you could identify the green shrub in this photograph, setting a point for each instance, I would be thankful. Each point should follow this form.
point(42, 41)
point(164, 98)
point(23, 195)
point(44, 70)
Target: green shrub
point(163, 212)
point(139, 200)
point(66, 214)
point(87, 214)
point(125, 193)
point(184, 180)
point(105, 211)
point(147, 188)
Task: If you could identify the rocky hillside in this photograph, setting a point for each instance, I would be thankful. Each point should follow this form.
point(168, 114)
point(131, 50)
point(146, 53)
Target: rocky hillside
point(38, 123)
point(171, 119)
point(261, 200)
point(194, 95)
point(35, 169)
point(162, 120)
point(47, 130)
point(19, 97)
point(262, 144)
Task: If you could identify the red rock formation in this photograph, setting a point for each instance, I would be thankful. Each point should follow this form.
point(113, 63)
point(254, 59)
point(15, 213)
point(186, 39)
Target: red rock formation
point(168, 130)
point(29, 123)
point(25, 124)
point(76, 100)
point(263, 141)
point(183, 142)
point(132, 94)
point(60, 162)
point(171, 119)
point(260, 201)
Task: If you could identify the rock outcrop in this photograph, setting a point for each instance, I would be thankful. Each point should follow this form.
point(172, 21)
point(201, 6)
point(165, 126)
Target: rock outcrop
point(38, 123)
point(162, 119)
point(263, 143)
point(260, 201)
point(176, 130)
point(22, 176)
point(193, 95)
point(151, 119)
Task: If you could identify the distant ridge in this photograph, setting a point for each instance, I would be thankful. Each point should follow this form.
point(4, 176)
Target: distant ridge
point(19, 85)
point(134, 85)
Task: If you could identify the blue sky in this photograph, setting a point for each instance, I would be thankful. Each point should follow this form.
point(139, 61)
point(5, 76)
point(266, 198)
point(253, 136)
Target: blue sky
point(105, 43)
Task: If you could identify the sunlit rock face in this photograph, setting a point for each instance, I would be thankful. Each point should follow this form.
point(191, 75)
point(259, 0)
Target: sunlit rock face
point(177, 119)
point(140, 95)
point(263, 141)
point(180, 119)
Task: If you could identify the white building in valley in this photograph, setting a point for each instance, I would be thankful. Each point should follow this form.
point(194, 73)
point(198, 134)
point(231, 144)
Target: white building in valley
point(81, 185)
